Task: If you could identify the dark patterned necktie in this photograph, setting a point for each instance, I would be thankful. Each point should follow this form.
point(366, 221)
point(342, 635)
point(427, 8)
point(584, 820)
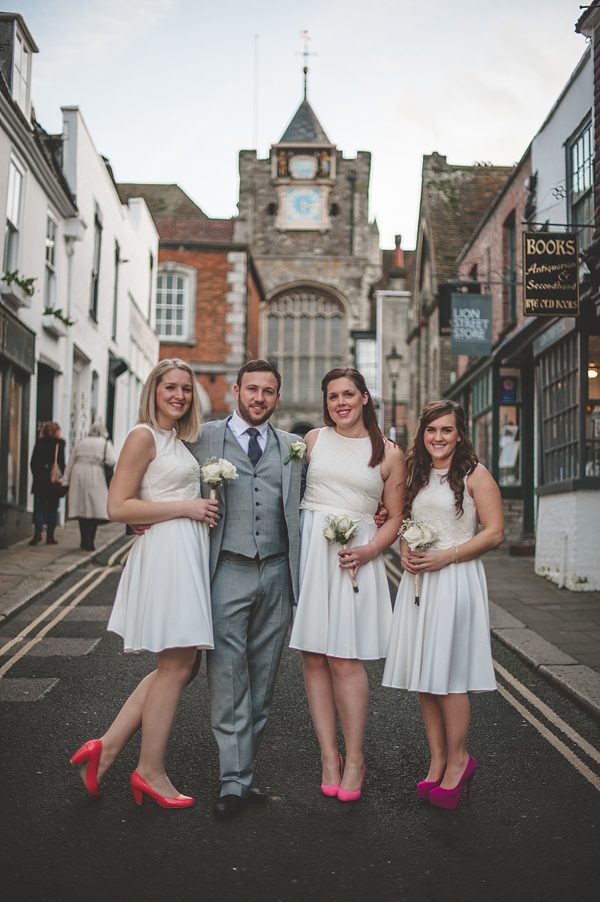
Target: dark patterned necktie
point(254, 452)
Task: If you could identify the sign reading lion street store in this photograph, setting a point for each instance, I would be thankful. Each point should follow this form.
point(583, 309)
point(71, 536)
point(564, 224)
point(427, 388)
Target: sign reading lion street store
point(472, 324)
point(550, 274)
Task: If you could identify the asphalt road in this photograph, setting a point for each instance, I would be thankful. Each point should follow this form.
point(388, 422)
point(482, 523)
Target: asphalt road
point(532, 831)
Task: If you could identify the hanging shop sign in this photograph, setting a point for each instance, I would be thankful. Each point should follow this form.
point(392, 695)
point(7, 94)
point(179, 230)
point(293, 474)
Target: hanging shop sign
point(472, 324)
point(550, 274)
point(445, 292)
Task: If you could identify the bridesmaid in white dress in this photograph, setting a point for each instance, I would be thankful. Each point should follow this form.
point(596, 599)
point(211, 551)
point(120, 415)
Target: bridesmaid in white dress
point(163, 600)
point(351, 468)
point(441, 648)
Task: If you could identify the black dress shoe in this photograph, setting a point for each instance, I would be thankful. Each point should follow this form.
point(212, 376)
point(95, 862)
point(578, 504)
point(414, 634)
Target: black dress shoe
point(257, 797)
point(229, 806)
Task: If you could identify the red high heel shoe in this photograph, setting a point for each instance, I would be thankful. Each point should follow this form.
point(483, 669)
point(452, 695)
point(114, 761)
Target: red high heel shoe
point(329, 790)
point(88, 757)
point(449, 798)
point(351, 795)
point(139, 786)
point(425, 787)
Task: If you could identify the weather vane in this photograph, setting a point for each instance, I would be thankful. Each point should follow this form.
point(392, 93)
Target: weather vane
point(305, 53)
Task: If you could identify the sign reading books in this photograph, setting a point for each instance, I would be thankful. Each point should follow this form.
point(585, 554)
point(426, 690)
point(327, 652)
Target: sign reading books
point(472, 324)
point(550, 274)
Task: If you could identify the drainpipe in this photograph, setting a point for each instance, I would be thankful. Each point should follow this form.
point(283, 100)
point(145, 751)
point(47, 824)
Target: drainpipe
point(352, 179)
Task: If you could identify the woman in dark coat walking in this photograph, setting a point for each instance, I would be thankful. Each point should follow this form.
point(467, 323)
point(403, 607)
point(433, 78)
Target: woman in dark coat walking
point(46, 495)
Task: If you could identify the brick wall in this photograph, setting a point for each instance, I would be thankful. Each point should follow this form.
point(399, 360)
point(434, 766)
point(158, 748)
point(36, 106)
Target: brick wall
point(488, 253)
point(211, 340)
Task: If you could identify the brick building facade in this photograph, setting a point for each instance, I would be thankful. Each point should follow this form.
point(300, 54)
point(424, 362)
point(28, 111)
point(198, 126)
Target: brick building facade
point(208, 293)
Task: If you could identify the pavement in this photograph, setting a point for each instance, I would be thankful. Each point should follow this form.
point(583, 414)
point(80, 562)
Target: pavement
point(555, 631)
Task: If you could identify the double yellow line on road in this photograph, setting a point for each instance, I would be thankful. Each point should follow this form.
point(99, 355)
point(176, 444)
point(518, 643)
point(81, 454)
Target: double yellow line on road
point(99, 572)
point(394, 575)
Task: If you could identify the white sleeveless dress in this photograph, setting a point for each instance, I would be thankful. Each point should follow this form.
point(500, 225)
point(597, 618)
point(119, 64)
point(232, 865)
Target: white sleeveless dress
point(163, 598)
point(442, 645)
point(332, 619)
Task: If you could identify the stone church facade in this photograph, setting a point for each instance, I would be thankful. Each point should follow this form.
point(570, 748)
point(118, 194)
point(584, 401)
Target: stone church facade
point(303, 211)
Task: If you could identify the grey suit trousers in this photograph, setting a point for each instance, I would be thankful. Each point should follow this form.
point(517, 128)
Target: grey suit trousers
point(251, 608)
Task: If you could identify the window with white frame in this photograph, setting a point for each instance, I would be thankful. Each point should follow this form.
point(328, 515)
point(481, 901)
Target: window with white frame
point(13, 217)
point(20, 80)
point(305, 332)
point(581, 172)
point(172, 309)
point(50, 271)
point(96, 265)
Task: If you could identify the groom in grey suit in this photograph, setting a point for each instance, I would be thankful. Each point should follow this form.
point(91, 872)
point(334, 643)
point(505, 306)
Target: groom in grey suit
point(254, 558)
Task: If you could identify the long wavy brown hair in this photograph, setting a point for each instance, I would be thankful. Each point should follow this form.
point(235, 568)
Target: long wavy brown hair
point(418, 459)
point(369, 415)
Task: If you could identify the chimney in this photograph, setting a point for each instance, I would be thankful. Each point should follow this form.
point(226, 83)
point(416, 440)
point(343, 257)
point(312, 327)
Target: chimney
point(398, 253)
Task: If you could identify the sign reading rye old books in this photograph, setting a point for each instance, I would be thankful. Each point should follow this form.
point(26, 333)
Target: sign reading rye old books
point(550, 274)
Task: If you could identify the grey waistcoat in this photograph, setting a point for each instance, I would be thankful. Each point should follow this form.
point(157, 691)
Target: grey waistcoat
point(254, 523)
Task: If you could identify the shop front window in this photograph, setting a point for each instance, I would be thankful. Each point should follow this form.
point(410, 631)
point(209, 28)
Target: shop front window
point(14, 441)
point(509, 438)
point(481, 418)
point(592, 420)
point(559, 411)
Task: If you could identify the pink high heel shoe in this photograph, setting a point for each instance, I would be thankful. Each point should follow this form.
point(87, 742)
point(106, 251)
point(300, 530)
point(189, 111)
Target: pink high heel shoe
point(139, 786)
point(351, 795)
point(329, 790)
point(425, 787)
point(88, 757)
point(449, 798)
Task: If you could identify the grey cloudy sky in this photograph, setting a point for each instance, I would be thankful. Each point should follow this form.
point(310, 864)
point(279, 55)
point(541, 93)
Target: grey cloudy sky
point(167, 86)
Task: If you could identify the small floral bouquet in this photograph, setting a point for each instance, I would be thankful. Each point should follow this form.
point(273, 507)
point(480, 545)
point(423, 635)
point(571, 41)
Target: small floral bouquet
point(297, 449)
point(341, 529)
point(418, 534)
point(216, 472)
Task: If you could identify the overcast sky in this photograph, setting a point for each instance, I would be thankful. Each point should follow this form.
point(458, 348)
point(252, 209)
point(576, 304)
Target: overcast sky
point(167, 87)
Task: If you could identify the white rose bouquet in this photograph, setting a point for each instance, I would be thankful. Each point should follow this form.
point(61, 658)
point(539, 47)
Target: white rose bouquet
point(341, 529)
point(297, 449)
point(216, 472)
point(418, 534)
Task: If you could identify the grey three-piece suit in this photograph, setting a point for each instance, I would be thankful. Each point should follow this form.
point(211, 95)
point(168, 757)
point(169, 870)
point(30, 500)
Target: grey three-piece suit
point(254, 559)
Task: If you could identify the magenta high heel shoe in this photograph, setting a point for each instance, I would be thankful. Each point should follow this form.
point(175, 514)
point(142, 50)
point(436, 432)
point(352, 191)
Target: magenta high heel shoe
point(425, 787)
point(139, 786)
point(329, 790)
point(88, 757)
point(351, 795)
point(449, 798)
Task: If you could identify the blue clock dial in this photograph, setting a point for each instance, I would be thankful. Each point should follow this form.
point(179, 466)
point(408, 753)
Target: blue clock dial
point(303, 204)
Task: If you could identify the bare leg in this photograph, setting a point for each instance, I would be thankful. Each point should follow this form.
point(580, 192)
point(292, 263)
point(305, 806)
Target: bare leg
point(127, 722)
point(129, 719)
point(319, 690)
point(351, 693)
point(160, 705)
point(457, 717)
point(436, 734)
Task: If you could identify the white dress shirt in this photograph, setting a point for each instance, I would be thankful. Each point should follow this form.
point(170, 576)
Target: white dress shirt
point(240, 427)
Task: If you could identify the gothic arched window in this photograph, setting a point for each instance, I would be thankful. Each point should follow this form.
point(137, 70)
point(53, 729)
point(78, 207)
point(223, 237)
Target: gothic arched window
point(304, 339)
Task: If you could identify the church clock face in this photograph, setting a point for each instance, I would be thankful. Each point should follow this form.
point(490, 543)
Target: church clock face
point(303, 205)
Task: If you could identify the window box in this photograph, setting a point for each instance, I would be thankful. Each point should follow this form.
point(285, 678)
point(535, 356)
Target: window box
point(53, 325)
point(14, 294)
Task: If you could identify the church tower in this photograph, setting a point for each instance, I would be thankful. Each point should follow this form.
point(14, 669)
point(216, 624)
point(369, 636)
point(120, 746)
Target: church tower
point(304, 213)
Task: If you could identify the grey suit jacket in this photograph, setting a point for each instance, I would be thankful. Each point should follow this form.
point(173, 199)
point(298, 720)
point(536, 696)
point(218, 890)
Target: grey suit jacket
point(211, 444)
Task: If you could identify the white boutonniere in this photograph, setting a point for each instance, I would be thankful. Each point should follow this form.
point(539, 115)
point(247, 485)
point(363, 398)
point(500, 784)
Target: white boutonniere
point(297, 449)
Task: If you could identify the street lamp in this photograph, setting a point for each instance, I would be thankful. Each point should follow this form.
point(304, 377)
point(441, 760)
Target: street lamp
point(393, 360)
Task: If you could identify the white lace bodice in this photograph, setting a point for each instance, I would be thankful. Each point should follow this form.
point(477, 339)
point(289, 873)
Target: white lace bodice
point(435, 505)
point(339, 479)
point(174, 474)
